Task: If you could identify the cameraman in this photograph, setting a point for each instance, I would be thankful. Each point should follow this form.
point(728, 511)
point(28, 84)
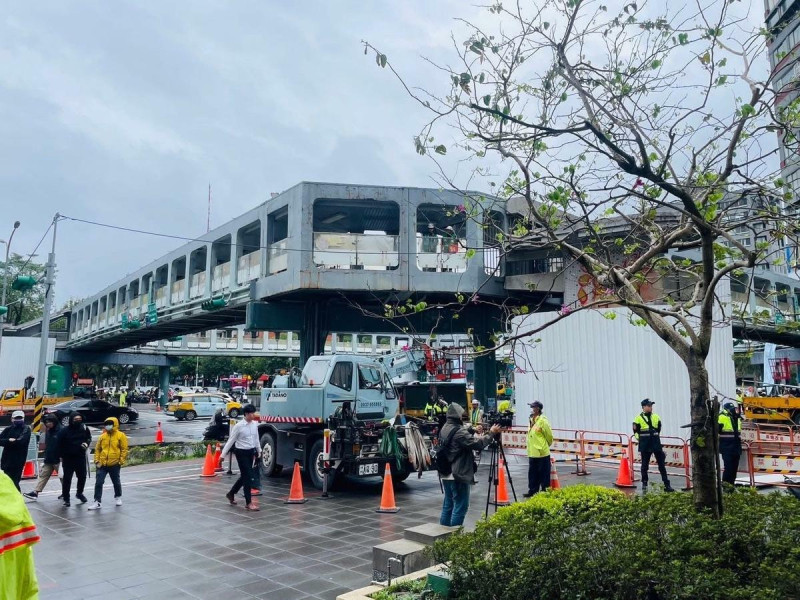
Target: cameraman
point(540, 438)
point(458, 443)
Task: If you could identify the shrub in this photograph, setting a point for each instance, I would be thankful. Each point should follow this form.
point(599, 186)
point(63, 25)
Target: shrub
point(586, 542)
point(142, 455)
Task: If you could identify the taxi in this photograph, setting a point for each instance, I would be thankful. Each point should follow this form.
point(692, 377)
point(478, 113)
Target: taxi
point(191, 406)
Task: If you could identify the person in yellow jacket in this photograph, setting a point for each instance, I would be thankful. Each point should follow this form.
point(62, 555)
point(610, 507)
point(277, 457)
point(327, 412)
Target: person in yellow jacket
point(110, 455)
point(540, 438)
point(17, 536)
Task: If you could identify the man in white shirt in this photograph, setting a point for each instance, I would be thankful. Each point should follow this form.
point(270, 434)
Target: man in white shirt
point(244, 442)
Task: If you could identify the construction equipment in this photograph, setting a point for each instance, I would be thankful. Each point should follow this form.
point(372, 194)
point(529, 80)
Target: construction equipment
point(21, 399)
point(777, 403)
point(353, 396)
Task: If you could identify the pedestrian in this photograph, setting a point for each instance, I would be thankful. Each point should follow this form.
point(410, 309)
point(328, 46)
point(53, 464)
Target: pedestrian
point(459, 444)
point(540, 438)
point(17, 536)
point(110, 455)
point(730, 441)
point(14, 440)
point(51, 455)
point(647, 429)
point(73, 442)
point(245, 444)
point(123, 398)
point(476, 414)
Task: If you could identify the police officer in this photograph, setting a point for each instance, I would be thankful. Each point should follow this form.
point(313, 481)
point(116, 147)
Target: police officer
point(647, 428)
point(730, 441)
point(505, 406)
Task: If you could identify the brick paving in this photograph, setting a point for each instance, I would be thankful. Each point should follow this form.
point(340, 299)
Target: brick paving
point(176, 536)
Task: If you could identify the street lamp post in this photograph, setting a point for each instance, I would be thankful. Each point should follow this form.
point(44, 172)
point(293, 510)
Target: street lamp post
point(5, 279)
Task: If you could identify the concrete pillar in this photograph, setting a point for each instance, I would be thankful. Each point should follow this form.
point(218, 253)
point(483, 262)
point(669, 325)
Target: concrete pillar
point(168, 291)
point(163, 385)
point(312, 337)
point(187, 276)
point(209, 269)
point(485, 368)
point(232, 282)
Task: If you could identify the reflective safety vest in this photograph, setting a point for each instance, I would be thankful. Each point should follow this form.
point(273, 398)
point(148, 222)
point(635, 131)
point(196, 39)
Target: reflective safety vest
point(475, 416)
point(729, 433)
point(17, 535)
point(644, 424)
point(504, 406)
point(434, 409)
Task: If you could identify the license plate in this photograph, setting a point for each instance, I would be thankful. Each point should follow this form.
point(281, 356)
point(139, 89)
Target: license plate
point(370, 469)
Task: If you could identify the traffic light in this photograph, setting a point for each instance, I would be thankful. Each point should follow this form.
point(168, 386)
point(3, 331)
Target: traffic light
point(23, 283)
point(214, 304)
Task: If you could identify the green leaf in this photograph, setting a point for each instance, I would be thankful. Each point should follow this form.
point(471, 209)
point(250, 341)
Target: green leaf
point(486, 99)
point(683, 38)
point(381, 60)
point(470, 253)
point(722, 79)
point(705, 58)
point(655, 64)
point(440, 149)
point(748, 110)
point(546, 25)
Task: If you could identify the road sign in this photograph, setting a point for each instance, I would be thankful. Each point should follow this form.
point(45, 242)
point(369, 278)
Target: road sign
point(152, 314)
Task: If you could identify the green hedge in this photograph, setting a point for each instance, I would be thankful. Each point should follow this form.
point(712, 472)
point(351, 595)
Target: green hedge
point(142, 455)
point(586, 542)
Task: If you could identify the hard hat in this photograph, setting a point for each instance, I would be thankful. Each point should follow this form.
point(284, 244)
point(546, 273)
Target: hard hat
point(475, 401)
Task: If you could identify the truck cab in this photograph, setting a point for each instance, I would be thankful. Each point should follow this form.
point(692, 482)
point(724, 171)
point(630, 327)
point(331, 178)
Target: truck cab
point(351, 394)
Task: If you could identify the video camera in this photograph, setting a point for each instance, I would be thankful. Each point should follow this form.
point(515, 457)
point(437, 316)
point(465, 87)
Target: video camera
point(503, 419)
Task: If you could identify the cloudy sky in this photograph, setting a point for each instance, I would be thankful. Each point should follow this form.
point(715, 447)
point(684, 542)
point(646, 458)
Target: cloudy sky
point(124, 112)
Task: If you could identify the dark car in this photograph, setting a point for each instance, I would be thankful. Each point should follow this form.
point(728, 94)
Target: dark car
point(92, 410)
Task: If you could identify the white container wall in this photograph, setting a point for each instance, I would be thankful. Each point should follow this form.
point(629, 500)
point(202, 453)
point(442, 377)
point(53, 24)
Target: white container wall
point(19, 357)
point(592, 373)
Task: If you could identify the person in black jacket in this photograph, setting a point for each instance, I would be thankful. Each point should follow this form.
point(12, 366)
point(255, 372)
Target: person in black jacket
point(73, 441)
point(14, 440)
point(51, 458)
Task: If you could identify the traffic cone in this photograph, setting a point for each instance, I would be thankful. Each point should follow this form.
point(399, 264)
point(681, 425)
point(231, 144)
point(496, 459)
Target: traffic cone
point(624, 475)
point(218, 458)
point(296, 490)
point(29, 472)
point(554, 483)
point(387, 496)
point(208, 465)
point(159, 434)
point(502, 490)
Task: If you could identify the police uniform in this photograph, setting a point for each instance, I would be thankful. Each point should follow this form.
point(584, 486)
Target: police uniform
point(730, 441)
point(647, 429)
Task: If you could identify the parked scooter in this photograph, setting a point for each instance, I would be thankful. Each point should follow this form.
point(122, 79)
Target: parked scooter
point(219, 429)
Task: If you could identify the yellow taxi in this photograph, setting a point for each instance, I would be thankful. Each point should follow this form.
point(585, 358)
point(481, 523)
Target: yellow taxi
point(190, 406)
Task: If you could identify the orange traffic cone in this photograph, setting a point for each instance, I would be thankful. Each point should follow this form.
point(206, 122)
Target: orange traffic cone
point(29, 472)
point(624, 475)
point(554, 483)
point(218, 458)
point(159, 434)
point(296, 491)
point(387, 496)
point(502, 490)
point(208, 465)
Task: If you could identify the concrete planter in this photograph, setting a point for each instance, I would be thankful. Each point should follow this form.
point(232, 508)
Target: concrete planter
point(365, 592)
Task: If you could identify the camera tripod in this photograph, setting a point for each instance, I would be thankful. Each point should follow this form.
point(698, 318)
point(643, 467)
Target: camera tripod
point(497, 452)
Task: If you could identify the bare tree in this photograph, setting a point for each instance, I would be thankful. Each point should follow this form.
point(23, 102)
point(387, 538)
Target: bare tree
point(631, 135)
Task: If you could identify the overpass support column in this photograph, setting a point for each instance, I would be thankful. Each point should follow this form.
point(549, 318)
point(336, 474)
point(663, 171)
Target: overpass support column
point(163, 385)
point(312, 336)
point(485, 369)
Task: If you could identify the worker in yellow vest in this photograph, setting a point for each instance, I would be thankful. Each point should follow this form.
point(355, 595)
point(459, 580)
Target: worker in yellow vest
point(476, 414)
point(647, 429)
point(17, 536)
point(505, 406)
point(730, 441)
point(540, 438)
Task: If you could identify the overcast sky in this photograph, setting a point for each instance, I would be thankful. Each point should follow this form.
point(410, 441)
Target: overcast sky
point(124, 112)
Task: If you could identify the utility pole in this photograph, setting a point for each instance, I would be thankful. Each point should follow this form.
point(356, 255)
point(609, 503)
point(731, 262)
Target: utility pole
point(5, 280)
point(208, 220)
point(49, 282)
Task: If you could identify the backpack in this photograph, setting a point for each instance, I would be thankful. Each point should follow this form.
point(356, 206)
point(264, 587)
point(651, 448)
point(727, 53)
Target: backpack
point(443, 465)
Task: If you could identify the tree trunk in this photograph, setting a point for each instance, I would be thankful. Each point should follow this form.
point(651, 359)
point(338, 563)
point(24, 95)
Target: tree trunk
point(705, 489)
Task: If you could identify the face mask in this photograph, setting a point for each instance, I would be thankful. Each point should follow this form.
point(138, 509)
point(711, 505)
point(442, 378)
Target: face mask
point(18, 422)
point(78, 422)
point(109, 427)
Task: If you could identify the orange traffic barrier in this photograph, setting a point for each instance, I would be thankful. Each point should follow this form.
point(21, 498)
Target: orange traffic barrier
point(502, 491)
point(296, 491)
point(218, 458)
point(387, 496)
point(208, 464)
point(159, 434)
point(624, 475)
point(29, 472)
point(555, 484)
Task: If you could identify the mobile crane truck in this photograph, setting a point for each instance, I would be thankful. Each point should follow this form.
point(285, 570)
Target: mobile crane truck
point(355, 398)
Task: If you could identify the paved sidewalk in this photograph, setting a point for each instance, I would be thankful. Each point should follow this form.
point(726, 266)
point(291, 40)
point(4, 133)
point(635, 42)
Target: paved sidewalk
point(177, 537)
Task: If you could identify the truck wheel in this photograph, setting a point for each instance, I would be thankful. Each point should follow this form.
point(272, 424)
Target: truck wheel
point(269, 456)
point(400, 477)
point(314, 466)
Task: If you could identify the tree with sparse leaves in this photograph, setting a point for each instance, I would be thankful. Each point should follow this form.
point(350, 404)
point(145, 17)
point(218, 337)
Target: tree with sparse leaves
point(630, 132)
